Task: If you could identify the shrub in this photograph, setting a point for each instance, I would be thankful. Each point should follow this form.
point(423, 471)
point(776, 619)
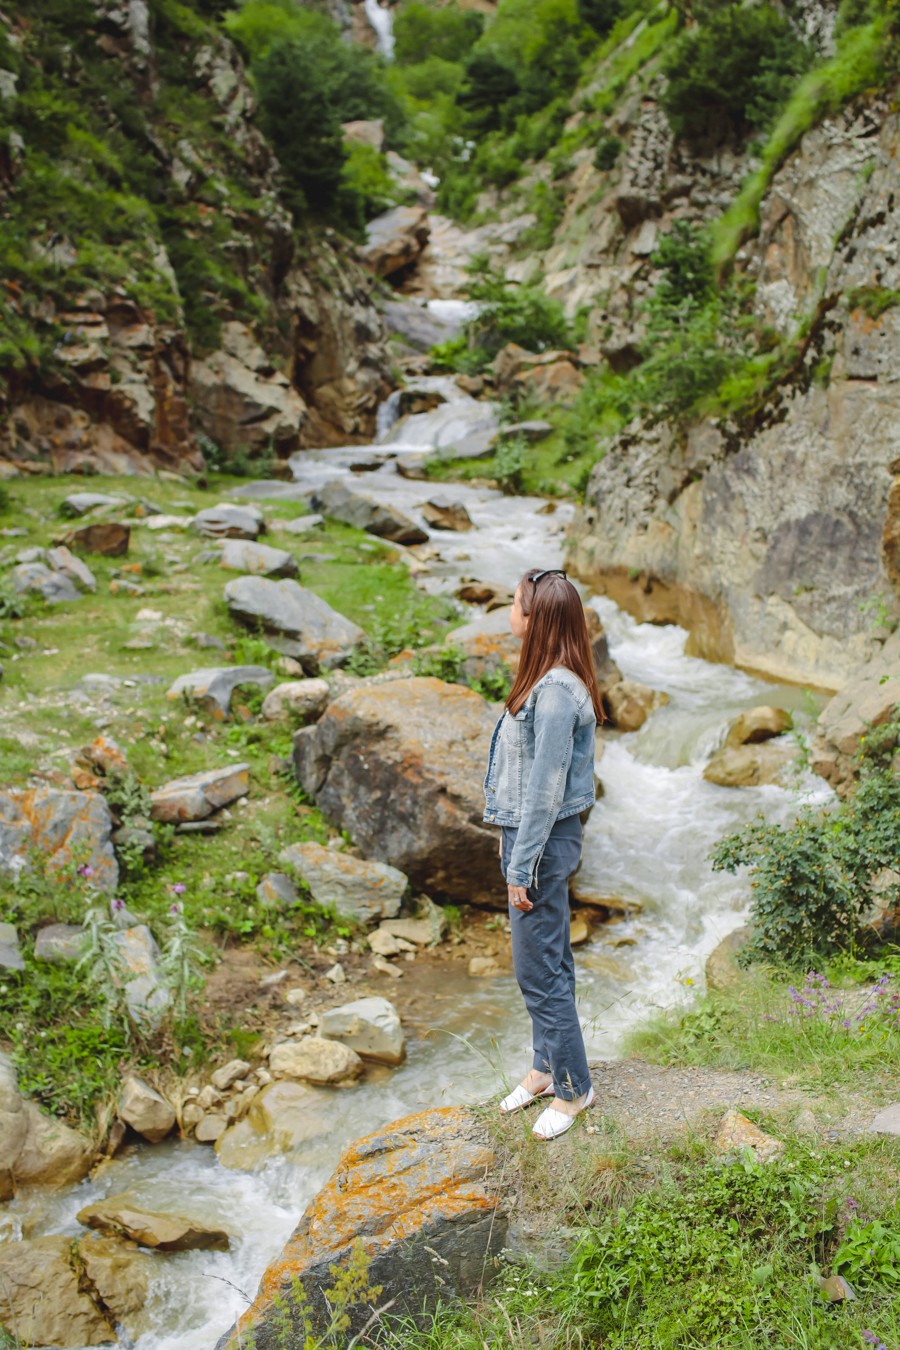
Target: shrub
point(607, 151)
point(813, 882)
point(511, 313)
point(736, 67)
point(422, 32)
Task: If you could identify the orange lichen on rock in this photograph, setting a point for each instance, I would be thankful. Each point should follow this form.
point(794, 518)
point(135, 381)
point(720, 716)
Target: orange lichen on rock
point(414, 1194)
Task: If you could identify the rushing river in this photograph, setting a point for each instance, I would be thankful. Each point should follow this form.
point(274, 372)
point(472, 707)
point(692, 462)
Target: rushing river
point(646, 841)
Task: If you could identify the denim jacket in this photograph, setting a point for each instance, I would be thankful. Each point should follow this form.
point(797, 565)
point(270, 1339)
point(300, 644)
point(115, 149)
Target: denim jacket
point(541, 767)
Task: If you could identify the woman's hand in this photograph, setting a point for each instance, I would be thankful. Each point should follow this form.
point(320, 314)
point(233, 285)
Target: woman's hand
point(518, 898)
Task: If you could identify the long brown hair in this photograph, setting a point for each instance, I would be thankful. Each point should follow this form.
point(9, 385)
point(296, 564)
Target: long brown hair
point(557, 635)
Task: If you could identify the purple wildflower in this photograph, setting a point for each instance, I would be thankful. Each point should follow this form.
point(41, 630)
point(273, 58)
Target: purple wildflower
point(174, 909)
point(117, 905)
point(85, 870)
point(179, 888)
point(873, 1339)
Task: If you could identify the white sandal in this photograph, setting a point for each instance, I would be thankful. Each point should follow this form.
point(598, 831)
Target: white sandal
point(520, 1097)
point(551, 1123)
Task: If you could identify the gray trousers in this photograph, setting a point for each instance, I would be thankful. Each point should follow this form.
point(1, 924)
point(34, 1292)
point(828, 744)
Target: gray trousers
point(542, 960)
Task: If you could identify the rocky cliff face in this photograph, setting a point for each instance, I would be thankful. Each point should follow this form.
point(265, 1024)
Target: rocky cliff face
point(768, 540)
point(210, 315)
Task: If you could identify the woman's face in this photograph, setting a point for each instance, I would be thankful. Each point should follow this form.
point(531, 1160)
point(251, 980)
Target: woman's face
point(518, 622)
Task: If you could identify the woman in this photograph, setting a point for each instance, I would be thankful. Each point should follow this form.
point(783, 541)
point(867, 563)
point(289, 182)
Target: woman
point(540, 779)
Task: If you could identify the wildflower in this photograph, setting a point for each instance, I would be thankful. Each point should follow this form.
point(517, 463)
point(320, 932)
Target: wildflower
point(117, 906)
point(179, 888)
point(84, 870)
point(174, 909)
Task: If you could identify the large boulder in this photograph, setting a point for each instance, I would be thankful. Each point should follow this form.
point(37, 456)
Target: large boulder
point(355, 889)
point(759, 724)
point(281, 1118)
point(299, 623)
point(400, 766)
point(61, 827)
point(123, 1216)
point(365, 513)
point(52, 1154)
point(417, 1194)
point(395, 239)
point(42, 1298)
point(370, 1026)
point(118, 1271)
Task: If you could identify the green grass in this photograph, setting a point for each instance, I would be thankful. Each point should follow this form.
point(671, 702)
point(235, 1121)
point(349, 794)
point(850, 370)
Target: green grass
point(762, 1025)
point(856, 66)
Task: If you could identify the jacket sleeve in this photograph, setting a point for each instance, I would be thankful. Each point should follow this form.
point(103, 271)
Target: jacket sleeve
point(555, 716)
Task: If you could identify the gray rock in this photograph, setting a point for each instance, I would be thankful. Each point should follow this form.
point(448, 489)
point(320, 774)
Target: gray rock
point(59, 943)
point(370, 1026)
point(199, 794)
point(242, 555)
point(213, 686)
point(61, 826)
point(868, 700)
point(363, 891)
point(535, 430)
point(365, 513)
point(400, 766)
point(296, 698)
point(300, 524)
point(64, 560)
point(395, 239)
point(307, 627)
point(419, 328)
point(887, 1121)
point(145, 1110)
point(277, 889)
point(229, 522)
point(32, 555)
point(55, 587)
point(140, 974)
point(80, 503)
point(11, 957)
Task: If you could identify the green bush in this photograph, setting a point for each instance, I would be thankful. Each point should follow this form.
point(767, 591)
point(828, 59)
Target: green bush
point(812, 881)
point(735, 69)
point(607, 151)
point(511, 313)
point(422, 32)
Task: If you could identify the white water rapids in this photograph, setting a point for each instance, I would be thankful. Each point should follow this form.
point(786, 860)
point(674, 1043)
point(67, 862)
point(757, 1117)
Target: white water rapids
point(647, 840)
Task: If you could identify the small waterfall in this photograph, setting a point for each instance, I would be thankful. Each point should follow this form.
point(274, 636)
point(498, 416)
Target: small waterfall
point(387, 415)
point(381, 19)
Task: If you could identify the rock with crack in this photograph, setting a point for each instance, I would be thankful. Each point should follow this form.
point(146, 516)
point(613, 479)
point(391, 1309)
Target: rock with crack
point(395, 239)
point(297, 622)
point(61, 559)
point(420, 1195)
point(400, 766)
point(199, 794)
point(42, 1298)
point(360, 890)
point(338, 500)
point(124, 1216)
point(214, 686)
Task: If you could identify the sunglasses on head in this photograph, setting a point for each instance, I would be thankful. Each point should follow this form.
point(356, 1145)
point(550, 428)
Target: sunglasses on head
point(550, 572)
